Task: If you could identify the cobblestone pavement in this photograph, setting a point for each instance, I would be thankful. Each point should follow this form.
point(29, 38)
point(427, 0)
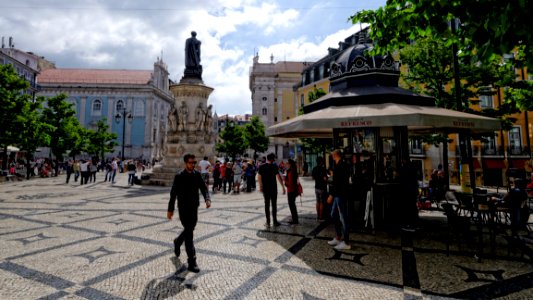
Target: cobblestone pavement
point(104, 241)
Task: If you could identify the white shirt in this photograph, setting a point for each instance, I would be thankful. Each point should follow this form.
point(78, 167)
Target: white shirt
point(204, 166)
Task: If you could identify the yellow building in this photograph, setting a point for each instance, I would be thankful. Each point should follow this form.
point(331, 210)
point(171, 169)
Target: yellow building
point(273, 94)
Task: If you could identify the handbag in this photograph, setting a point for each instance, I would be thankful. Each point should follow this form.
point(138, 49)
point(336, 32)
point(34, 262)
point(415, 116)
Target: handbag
point(300, 189)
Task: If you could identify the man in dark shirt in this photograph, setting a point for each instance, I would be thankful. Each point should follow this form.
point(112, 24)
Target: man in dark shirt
point(268, 173)
point(320, 175)
point(338, 197)
point(185, 188)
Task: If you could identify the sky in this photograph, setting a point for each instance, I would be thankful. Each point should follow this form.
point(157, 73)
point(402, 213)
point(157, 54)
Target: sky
point(133, 34)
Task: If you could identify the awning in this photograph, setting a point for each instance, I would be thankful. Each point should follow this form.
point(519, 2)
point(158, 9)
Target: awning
point(477, 166)
point(320, 123)
point(12, 149)
point(489, 163)
point(518, 163)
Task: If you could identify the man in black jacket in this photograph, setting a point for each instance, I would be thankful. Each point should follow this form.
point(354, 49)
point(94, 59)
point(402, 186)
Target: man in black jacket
point(185, 188)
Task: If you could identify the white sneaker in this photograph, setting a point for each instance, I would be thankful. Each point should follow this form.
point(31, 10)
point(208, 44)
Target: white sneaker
point(333, 242)
point(342, 246)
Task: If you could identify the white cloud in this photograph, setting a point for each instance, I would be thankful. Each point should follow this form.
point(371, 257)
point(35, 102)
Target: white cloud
point(104, 34)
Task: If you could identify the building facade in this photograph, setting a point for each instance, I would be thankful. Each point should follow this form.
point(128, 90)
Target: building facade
point(25, 63)
point(97, 94)
point(496, 157)
point(272, 86)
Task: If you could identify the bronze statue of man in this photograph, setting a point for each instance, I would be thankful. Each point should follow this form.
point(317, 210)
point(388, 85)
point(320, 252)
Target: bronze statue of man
point(193, 68)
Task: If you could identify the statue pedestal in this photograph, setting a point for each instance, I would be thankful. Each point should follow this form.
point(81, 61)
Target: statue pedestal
point(193, 132)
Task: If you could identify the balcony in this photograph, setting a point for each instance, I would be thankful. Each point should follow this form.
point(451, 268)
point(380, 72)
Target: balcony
point(517, 151)
point(417, 152)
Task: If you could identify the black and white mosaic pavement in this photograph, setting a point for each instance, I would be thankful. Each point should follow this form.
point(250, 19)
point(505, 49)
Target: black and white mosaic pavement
point(103, 241)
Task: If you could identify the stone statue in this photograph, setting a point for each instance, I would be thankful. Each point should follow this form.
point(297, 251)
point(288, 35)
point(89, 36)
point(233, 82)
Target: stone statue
point(200, 117)
point(183, 113)
point(208, 119)
point(173, 119)
point(192, 57)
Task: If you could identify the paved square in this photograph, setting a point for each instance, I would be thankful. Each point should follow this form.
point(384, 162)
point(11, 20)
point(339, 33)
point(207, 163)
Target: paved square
point(104, 241)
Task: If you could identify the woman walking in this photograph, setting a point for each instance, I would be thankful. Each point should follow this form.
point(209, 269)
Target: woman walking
point(291, 182)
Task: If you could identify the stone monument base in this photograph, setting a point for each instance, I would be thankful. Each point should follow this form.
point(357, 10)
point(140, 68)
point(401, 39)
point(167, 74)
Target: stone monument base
point(193, 130)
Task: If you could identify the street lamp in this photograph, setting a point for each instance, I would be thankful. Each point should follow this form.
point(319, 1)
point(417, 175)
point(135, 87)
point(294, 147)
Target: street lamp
point(122, 115)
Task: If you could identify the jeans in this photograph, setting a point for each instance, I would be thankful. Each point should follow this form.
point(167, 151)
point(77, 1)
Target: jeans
point(112, 176)
point(291, 197)
point(131, 176)
point(339, 215)
point(271, 197)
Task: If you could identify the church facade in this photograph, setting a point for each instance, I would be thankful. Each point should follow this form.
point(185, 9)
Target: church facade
point(141, 98)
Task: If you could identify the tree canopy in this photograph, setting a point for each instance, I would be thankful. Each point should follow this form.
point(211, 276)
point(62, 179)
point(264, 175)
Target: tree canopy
point(254, 135)
point(487, 27)
point(233, 143)
point(101, 141)
point(60, 114)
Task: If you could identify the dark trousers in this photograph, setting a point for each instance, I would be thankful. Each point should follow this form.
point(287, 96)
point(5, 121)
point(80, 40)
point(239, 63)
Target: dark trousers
point(229, 182)
point(271, 197)
point(249, 183)
point(291, 197)
point(188, 219)
point(68, 176)
point(84, 177)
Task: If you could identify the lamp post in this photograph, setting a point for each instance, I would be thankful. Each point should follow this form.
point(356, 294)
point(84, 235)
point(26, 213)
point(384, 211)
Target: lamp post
point(122, 114)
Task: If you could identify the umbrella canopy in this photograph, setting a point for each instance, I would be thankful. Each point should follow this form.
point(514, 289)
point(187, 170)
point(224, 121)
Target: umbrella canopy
point(12, 149)
point(320, 123)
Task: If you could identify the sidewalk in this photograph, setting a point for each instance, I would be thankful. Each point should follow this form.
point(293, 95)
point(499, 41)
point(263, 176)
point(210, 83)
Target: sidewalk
point(113, 241)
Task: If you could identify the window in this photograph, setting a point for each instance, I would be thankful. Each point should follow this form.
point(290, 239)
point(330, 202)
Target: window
point(275, 99)
point(264, 111)
point(97, 108)
point(119, 106)
point(485, 101)
point(515, 141)
point(138, 108)
point(275, 119)
point(485, 97)
point(416, 146)
point(488, 143)
point(264, 98)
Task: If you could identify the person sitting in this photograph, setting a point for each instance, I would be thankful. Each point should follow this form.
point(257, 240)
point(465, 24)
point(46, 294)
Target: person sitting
point(516, 200)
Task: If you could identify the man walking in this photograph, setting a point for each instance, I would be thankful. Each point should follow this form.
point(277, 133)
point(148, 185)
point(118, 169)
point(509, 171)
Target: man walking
point(185, 188)
point(268, 173)
point(338, 196)
point(205, 166)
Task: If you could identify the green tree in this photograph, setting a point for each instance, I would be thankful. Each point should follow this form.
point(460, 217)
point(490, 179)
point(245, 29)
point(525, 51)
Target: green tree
point(101, 141)
point(66, 128)
point(81, 141)
point(234, 142)
point(35, 132)
point(14, 103)
point(254, 135)
point(488, 26)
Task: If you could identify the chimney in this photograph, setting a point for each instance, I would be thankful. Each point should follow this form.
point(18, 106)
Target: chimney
point(10, 42)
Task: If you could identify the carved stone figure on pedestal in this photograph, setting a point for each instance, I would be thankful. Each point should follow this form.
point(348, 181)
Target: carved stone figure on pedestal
point(183, 113)
point(208, 119)
point(173, 119)
point(193, 68)
point(200, 117)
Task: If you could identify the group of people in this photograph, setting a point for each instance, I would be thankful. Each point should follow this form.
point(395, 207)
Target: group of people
point(86, 170)
point(192, 181)
point(229, 177)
